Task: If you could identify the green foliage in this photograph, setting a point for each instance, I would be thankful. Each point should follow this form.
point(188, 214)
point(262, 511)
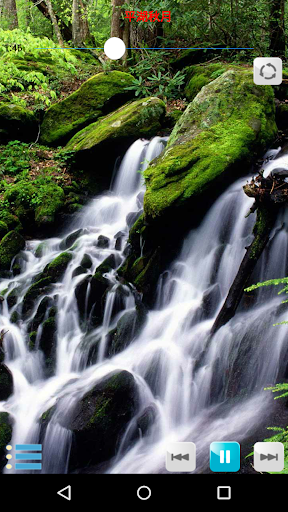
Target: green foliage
point(154, 77)
point(14, 158)
point(280, 437)
point(25, 67)
point(278, 388)
point(272, 282)
point(161, 85)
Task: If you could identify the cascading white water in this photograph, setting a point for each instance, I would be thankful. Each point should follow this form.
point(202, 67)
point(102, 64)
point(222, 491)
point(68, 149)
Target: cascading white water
point(201, 389)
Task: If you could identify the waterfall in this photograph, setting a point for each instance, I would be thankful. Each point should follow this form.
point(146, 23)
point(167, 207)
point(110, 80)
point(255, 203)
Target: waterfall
point(200, 389)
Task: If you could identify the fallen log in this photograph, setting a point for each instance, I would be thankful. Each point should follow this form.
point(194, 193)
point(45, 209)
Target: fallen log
point(266, 216)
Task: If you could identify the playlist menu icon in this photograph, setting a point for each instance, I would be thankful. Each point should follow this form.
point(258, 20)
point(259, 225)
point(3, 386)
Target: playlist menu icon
point(27, 454)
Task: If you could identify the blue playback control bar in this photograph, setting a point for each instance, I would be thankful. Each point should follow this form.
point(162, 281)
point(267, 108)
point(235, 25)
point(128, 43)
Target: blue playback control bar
point(28, 456)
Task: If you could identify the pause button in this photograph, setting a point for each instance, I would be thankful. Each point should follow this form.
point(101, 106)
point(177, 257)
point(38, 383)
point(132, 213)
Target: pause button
point(225, 457)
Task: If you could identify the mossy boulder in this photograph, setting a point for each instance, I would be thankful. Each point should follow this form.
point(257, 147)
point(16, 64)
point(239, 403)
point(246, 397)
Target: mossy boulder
point(110, 137)
point(226, 125)
point(58, 266)
point(11, 221)
point(98, 96)
point(41, 287)
point(100, 419)
point(201, 53)
point(229, 122)
point(5, 436)
point(71, 239)
point(35, 204)
point(17, 123)
point(199, 75)
point(10, 245)
point(141, 118)
point(52, 273)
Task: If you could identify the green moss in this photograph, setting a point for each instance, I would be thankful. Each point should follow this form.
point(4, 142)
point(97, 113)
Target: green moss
point(96, 97)
point(141, 117)
point(3, 229)
point(40, 249)
point(34, 291)
point(201, 75)
point(10, 245)
point(57, 267)
point(32, 202)
point(229, 121)
point(9, 219)
point(32, 340)
point(14, 318)
point(16, 122)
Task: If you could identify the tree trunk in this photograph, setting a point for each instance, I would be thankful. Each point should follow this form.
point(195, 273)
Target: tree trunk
point(9, 10)
point(266, 215)
point(277, 29)
point(80, 28)
point(117, 27)
point(54, 22)
point(66, 30)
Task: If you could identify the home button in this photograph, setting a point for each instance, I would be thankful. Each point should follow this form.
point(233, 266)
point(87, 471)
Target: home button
point(144, 492)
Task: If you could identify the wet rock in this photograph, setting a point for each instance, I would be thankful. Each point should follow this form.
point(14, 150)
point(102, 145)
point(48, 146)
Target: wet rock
point(132, 217)
point(141, 425)
point(46, 303)
point(13, 296)
point(140, 199)
point(34, 292)
point(109, 263)
point(58, 266)
point(120, 293)
point(71, 239)
point(40, 249)
point(6, 382)
point(128, 249)
point(127, 329)
point(103, 242)
point(15, 317)
point(86, 261)
point(100, 419)
point(98, 285)
point(48, 339)
point(5, 436)
point(89, 348)
point(119, 240)
point(17, 266)
point(78, 271)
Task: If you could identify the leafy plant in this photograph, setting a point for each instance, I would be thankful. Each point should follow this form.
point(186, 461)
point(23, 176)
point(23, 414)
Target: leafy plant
point(24, 61)
point(162, 85)
point(14, 158)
